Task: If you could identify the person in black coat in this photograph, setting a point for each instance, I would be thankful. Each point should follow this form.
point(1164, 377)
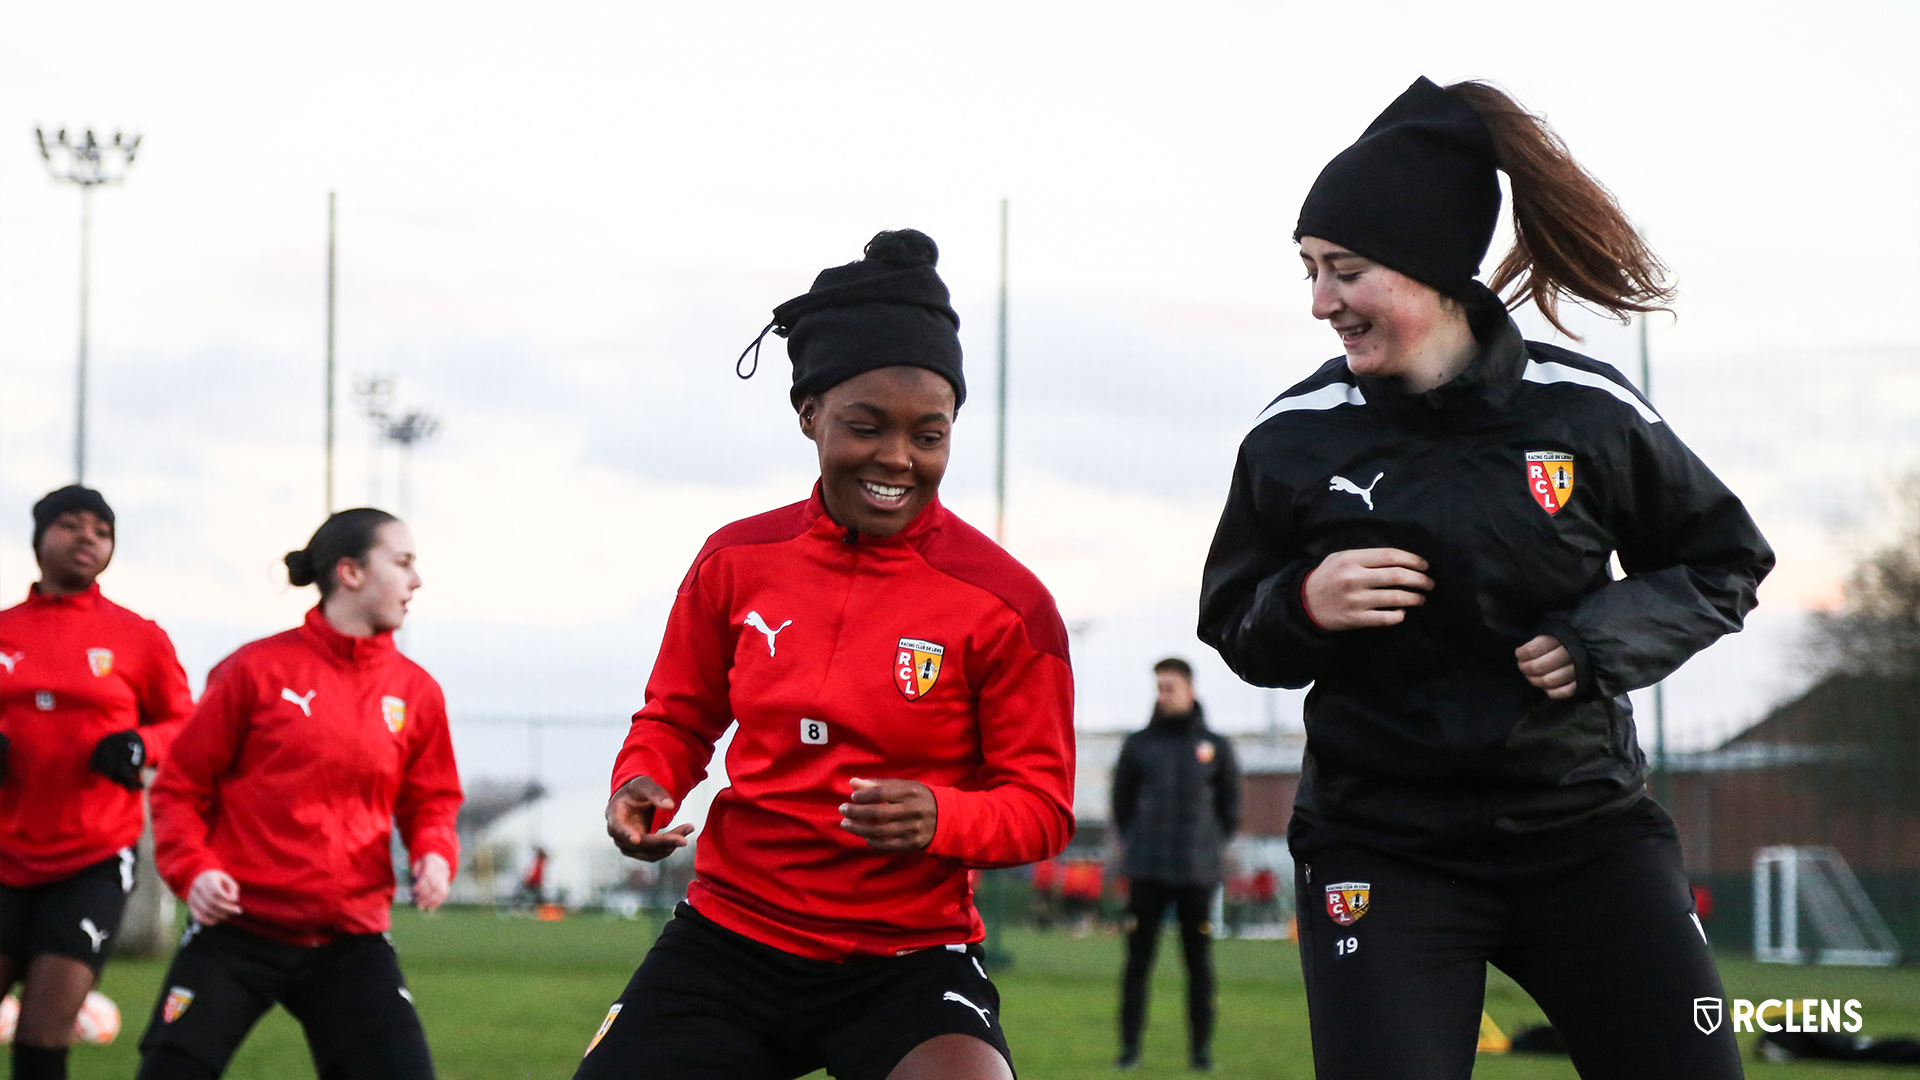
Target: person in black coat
point(1424, 530)
point(1176, 802)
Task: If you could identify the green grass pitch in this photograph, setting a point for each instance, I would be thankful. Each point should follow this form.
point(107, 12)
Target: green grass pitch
point(507, 998)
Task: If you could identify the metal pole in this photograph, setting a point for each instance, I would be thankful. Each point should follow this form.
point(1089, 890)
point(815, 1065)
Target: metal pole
point(80, 394)
point(993, 882)
point(406, 481)
point(331, 206)
point(536, 731)
point(1000, 455)
point(1659, 688)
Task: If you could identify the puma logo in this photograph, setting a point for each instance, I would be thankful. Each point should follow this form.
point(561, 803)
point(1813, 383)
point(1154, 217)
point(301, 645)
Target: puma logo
point(97, 935)
point(1342, 484)
point(951, 996)
point(7, 660)
point(305, 701)
point(754, 620)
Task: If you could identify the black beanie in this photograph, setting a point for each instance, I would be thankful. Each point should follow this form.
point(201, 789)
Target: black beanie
point(71, 497)
point(889, 309)
point(1416, 193)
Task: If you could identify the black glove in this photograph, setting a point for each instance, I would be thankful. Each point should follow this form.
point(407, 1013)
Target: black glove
point(118, 757)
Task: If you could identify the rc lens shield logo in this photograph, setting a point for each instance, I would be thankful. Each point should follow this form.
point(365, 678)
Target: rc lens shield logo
point(1550, 478)
point(1707, 1013)
point(604, 1025)
point(394, 711)
point(1347, 901)
point(178, 998)
point(100, 662)
point(916, 667)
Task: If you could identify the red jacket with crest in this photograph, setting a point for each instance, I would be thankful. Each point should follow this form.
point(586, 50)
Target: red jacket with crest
point(930, 655)
point(74, 669)
point(307, 749)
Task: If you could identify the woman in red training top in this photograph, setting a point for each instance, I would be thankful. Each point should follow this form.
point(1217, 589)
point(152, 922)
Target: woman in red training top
point(905, 713)
point(90, 693)
point(273, 819)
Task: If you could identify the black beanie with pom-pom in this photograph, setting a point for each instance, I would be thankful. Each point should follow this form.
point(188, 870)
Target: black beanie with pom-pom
point(890, 309)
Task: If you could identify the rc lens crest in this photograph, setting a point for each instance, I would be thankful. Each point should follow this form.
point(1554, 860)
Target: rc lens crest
point(394, 711)
point(1550, 478)
point(916, 667)
point(1347, 901)
point(100, 662)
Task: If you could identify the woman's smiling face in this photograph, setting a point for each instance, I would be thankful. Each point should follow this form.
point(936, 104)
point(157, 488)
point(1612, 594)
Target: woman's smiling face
point(883, 439)
point(1387, 321)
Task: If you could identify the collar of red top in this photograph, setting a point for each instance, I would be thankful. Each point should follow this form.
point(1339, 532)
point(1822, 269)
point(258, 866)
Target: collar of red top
point(924, 524)
point(345, 647)
point(85, 600)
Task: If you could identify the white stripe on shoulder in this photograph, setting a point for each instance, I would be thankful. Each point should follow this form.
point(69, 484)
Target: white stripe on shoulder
point(1549, 372)
point(1327, 397)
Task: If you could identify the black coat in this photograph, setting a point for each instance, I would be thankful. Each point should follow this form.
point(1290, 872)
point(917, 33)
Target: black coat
point(1176, 800)
point(1427, 731)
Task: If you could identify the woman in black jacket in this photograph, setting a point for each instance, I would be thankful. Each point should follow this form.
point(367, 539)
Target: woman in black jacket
point(1422, 530)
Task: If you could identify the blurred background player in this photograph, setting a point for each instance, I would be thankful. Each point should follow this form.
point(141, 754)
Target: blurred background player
point(275, 819)
point(1423, 530)
point(905, 712)
point(532, 891)
point(1176, 802)
point(90, 695)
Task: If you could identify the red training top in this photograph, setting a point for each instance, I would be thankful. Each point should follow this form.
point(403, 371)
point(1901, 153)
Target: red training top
point(306, 749)
point(930, 655)
point(74, 669)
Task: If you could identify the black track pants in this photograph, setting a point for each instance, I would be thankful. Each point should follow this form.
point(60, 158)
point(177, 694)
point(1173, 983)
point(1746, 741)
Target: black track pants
point(1147, 902)
point(348, 995)
point(1395, 957)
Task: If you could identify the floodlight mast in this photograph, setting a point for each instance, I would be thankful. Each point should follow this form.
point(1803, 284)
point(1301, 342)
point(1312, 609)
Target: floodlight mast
point(416, 427)
point(87, 163)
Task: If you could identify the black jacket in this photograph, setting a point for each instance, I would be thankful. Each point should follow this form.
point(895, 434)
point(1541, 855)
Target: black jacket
point(1426, 731)
point(1176, 800)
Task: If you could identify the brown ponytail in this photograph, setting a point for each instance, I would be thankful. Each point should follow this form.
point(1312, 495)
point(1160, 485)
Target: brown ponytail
point(1570, 238)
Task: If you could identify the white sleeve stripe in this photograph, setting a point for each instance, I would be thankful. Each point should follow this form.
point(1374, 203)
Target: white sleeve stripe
point(1538, 372)
point(1327, 397)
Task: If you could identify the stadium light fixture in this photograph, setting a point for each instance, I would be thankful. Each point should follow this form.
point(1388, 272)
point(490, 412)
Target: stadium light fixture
point(87, 162)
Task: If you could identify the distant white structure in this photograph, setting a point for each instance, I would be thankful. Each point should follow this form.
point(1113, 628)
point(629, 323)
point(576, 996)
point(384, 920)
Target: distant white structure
point(583, 865)
point(1815, 882)
point(1098, 751)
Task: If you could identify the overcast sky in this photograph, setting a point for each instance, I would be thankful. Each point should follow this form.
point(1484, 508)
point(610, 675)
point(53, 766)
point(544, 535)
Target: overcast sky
point(558, 226)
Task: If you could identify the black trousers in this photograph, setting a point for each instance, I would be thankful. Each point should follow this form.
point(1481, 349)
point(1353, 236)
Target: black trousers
point(348, 996)
point(1603, 936)
point(1147, 901)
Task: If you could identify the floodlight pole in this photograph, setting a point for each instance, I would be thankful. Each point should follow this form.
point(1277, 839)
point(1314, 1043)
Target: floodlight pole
point(331, 217)
point(1659, 694)
point(1000, 451)
point(80, 368)
point(85, 162)
point(993, 884)
point(376, 395)
point(415, 427)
